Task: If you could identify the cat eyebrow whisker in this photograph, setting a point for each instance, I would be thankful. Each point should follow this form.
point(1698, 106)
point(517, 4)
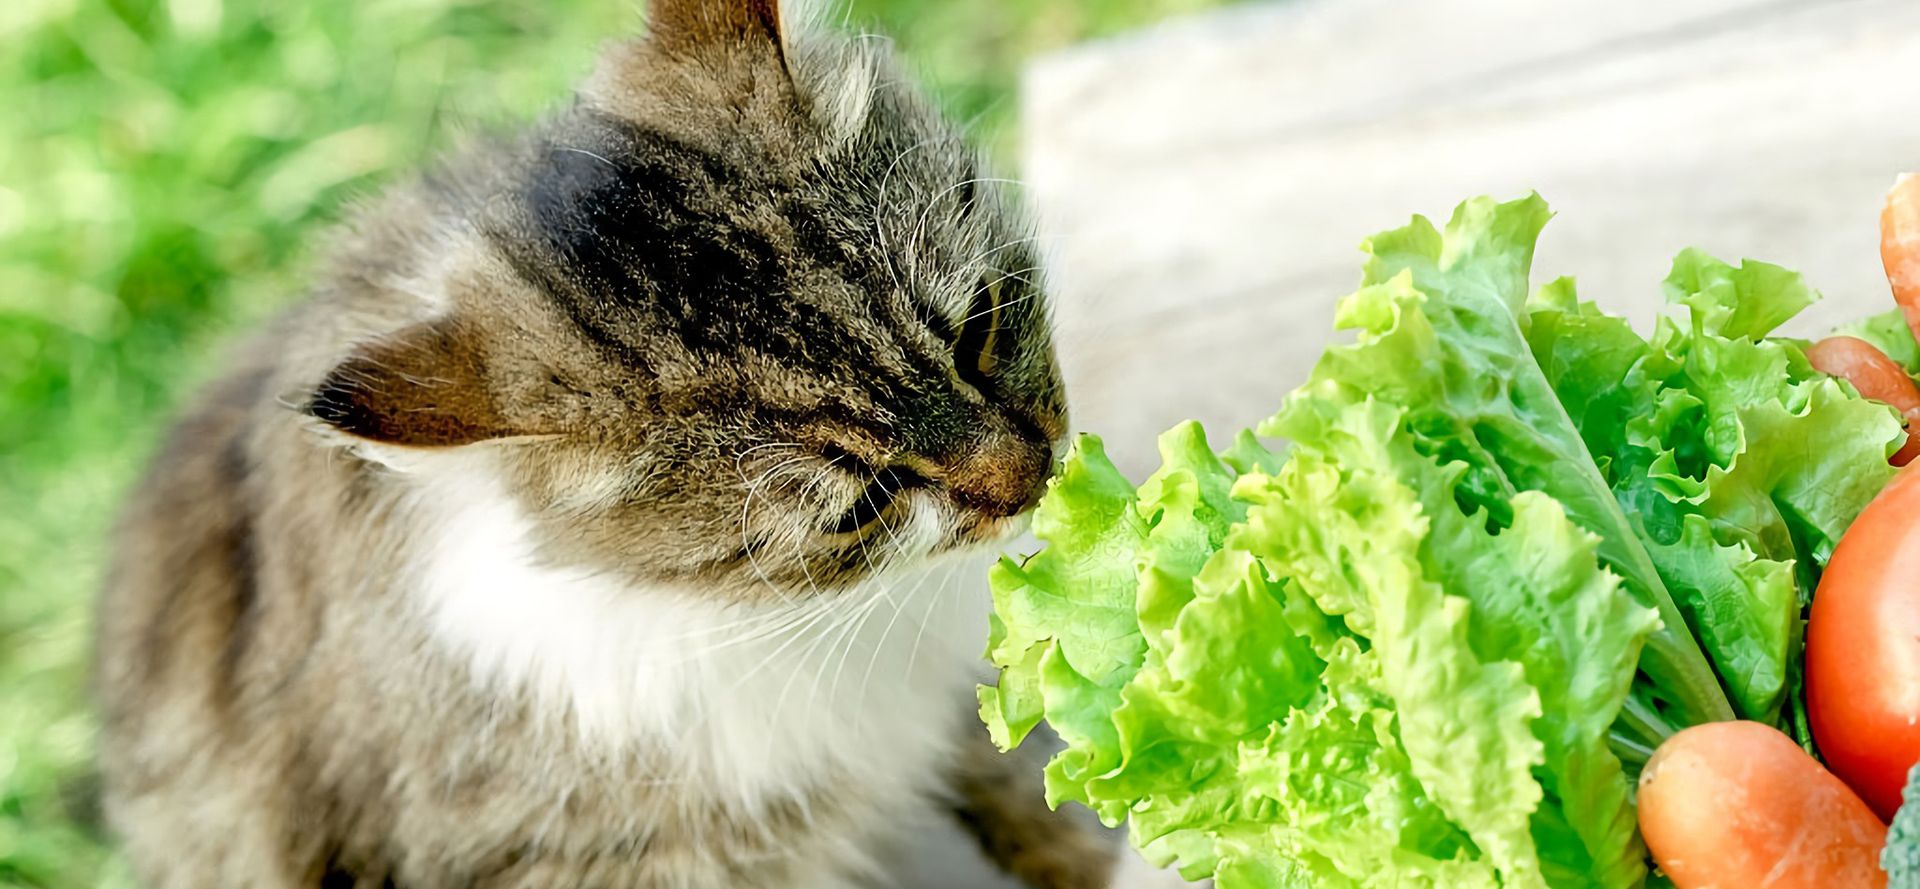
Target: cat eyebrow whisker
point(967, 127)
point(972, 180)
point(861, 540)
point(754, 486)
point(880, 203)
point(966, 280)
point(979, 260)
point(600, 158)
point(813, 588)
point(996, 307)
point(926, 211)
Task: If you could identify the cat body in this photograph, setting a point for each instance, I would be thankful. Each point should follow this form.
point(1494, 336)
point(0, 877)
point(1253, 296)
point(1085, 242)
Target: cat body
point(685, 758)
point(603, 517)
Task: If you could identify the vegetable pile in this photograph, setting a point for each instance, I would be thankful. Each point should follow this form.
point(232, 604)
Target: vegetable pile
point(1512, 547)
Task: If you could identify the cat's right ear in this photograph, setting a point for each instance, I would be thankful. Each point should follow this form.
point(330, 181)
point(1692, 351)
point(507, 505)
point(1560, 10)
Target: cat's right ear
point(692, 25)
point(424, 386)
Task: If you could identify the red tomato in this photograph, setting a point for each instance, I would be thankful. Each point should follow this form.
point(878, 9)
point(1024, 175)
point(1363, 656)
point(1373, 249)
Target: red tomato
point(1863, 648)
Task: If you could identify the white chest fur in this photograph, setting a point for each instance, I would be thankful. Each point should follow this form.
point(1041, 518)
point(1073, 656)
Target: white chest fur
point(756, 700)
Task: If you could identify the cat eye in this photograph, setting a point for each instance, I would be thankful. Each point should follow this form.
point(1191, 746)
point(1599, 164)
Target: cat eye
point(974, 354)
point(880, 494)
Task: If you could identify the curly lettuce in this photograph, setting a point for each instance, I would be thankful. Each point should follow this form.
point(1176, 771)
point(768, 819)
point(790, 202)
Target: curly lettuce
point(1511, 545)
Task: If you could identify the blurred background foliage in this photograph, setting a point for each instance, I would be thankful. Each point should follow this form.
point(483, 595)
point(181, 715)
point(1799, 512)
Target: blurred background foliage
point(166, 167)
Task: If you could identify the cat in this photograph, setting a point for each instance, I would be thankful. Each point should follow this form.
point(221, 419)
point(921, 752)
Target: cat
point(592, 522)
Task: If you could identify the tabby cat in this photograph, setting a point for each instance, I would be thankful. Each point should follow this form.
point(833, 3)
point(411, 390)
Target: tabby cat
point(591, 524)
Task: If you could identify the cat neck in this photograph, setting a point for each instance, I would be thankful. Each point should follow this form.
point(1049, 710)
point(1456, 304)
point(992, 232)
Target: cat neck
point(751, 695)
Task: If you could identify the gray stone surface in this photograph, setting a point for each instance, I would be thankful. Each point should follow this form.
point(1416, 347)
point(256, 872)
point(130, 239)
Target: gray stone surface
point(1202, 186)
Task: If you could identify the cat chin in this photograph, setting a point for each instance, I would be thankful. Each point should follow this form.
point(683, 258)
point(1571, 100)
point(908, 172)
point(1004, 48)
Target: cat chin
point(864, 678)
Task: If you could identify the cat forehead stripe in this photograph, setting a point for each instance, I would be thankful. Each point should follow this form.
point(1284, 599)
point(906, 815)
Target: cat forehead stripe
point(642, 238)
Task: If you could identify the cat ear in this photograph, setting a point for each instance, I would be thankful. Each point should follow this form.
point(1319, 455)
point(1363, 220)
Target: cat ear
point(424, 386)
point(682, 25)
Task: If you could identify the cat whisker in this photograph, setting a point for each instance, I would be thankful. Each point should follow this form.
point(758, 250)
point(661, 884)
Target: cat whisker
point(843, 642)
point(864, 36)
point(758, 622)
point(854, 638)
point(919, 232)
point(794, 622)
point(923, 615)
point(1019, 274)
point(970, 126)
point(845, 632)
point(746, 507)
point(571, 150)
point(798, 621)
point(1000, 307)
point(744, 452)
point(927, 211)
point(801, 631)
point(554, 630)
point(945, 595)
point(802, 667)
point(979, 261)
point(880, 203)
point(879, 646)
point(861, 540)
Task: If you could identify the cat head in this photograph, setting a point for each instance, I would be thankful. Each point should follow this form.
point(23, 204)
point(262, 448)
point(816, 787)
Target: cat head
point(749, 317)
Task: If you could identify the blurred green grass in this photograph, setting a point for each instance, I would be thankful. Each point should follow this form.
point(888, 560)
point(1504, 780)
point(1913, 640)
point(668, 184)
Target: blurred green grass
point(165, 169)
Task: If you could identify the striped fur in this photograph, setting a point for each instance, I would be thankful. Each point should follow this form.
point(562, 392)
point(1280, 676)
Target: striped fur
point(586, 526)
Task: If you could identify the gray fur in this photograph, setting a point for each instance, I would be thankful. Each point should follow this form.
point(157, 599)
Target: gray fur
point(744, 291)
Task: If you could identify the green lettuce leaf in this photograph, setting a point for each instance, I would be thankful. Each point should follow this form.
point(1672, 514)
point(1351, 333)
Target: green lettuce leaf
point(1538, 600)
point(1511, 546)
point(1703, 434)
point(1744, 302)
point(1439, 334)
point(1064, 629)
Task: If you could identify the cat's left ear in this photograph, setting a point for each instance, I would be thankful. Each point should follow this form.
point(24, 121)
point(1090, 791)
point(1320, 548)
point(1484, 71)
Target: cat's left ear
point(423, 386)
point(693, 25)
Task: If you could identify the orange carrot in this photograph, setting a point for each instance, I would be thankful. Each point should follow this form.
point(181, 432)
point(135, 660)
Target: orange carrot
point(1730, 805)
point(1900, 246)
point(1876, 376)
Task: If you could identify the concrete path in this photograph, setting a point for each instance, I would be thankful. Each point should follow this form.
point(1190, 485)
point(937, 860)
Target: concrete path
point(1203, 186)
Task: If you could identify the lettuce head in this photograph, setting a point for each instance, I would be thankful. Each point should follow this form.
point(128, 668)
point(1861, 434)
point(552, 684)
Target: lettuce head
point(1509, 545)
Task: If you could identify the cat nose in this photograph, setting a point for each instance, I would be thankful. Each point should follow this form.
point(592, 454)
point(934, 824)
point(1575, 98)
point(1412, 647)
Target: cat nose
point(1002, 476)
